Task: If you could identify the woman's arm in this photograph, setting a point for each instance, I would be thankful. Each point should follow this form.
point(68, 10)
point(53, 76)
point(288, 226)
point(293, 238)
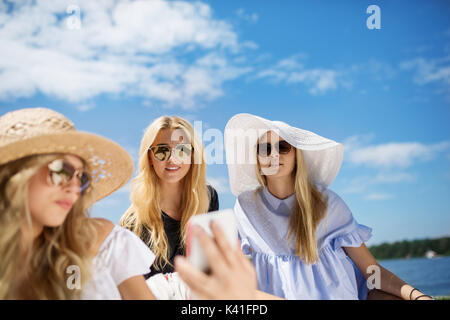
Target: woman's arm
point(135, 288)
point(261, 295)
point(389, 282)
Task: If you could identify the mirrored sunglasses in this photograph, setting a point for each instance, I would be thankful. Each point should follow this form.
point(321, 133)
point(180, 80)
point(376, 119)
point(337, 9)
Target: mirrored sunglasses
point(61, 172)
point(182, 151)
point(265, 149)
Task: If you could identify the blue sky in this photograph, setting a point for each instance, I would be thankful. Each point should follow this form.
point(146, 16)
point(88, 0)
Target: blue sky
point(113, 67)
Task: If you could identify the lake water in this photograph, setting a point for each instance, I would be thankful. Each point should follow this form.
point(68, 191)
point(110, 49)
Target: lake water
point(431, 276)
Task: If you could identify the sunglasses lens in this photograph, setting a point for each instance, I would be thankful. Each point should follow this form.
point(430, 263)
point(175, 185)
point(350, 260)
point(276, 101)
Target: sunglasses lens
point(84, 182)
point(284, 147)
point(264, 149)
point(62, 172)
point(183, 151)
point(162, 153)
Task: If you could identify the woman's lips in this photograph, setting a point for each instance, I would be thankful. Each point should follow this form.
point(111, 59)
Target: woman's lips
point(275, 164)
point(65, 204)
point(172, 169)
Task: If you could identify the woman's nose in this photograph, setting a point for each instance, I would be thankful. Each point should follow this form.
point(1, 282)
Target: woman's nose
point(173, 158)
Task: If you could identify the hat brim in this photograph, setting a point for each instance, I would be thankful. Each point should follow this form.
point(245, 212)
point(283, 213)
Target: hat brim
point(323, 157)
point(111, 165)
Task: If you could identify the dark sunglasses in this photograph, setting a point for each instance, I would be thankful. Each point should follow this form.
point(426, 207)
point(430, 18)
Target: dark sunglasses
point(61, 172)
point(162, 152)
point(265, 149)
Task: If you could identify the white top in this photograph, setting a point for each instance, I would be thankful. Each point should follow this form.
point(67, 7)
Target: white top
point(121, 256)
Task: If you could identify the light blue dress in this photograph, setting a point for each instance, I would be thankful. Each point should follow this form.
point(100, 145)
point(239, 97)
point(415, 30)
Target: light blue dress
point(263, 222)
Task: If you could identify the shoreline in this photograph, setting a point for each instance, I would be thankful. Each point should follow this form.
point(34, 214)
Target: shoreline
point(415, 258)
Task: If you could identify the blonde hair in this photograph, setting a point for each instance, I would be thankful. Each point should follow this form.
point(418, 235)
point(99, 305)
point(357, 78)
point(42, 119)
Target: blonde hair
point(143, 217)
point(38, 270)
point(310, 208)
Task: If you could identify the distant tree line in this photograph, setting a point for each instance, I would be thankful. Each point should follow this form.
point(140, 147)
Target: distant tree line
point(414, 248)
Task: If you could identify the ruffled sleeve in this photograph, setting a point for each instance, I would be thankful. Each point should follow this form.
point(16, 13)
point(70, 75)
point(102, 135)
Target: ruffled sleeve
point(340, 229)
point(125, 255)
point(354, 238)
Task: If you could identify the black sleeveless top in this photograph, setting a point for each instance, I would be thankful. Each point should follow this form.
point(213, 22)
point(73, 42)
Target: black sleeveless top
point(172, 230)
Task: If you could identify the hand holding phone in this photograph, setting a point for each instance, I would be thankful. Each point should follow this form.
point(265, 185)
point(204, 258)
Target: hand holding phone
point(227, 222)
point(232, 275)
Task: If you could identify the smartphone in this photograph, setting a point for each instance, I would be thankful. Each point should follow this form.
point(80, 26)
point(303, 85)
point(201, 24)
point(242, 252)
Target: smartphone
point(226, 221)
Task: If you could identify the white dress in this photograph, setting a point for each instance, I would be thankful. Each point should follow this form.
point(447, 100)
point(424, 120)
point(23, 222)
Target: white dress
point(263, 223)
point(121, 256)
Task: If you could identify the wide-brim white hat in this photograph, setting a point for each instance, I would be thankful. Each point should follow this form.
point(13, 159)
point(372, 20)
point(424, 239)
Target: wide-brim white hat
point(35, 131)
point(323, 157)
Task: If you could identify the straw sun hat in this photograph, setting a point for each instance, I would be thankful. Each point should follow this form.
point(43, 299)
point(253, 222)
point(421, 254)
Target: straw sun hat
point(35, 131)
point(323, 157)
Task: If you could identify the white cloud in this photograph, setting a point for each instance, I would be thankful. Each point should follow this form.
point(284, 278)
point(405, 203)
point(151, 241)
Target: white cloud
point(121, 47)
point(249, 17)
point(292, 70)
point(389, 161)
point(292, 63)
point(390, 155)
point(318, 80)
point(393, 177)
point(356, 185)
point(379, 70)
point(357, 141)
point(220, 184)
point(85, 107)
point(378, 196)
point(250, 45)
point(363, 184)
point(429, 70)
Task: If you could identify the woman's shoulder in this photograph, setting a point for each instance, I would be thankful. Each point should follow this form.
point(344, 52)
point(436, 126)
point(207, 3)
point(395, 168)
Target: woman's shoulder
point(334, 200)
point(120, 252)
point(108, 232)
point(339, 227)
point(249, 195)
point(112, 238)
point(249, 200)
point(338, 212)
point(103, 227)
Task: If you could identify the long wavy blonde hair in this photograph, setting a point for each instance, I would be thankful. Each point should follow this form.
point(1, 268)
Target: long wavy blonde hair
point(38, 270)
point(143, 217)
point(310, 208)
